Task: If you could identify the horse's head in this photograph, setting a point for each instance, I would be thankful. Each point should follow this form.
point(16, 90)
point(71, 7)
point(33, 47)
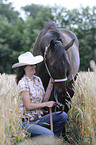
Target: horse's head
point(58, 63)
point(57, 59)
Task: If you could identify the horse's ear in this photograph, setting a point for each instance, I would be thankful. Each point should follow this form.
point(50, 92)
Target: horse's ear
point(52, 44)
point(69, 44)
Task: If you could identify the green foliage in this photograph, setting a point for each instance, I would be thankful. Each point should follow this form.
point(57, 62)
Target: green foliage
point(5, 50)
point(32, 10)
point(83, 23)
point(7, 10)
point(18, 35)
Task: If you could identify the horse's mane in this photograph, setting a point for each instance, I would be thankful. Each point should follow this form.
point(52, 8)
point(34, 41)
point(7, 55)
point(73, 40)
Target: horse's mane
point(52, 30)
point(48, 33)
point(49, 26)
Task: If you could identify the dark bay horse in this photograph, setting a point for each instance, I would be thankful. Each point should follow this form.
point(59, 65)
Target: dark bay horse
point(59, 47)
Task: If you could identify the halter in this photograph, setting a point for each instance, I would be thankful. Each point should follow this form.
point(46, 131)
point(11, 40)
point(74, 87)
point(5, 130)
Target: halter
point(56, 80)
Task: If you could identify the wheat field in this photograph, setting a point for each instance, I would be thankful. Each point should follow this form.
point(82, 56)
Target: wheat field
point(10, 123)
point(81, 124)
point(82, 115)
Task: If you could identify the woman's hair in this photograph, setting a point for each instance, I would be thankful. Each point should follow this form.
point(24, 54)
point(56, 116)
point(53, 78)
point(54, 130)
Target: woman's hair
point(19, 73)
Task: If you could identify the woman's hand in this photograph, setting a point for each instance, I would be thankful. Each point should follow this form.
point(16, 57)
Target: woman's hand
point(50, 104)
point(32, 106)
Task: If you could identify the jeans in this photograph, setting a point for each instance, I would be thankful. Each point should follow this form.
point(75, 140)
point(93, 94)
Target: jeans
point(41, 127)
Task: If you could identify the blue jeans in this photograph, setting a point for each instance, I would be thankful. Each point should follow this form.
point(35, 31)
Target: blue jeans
point(41, 127)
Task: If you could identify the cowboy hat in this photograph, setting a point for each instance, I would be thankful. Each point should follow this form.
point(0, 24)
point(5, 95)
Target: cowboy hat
point(28, 59)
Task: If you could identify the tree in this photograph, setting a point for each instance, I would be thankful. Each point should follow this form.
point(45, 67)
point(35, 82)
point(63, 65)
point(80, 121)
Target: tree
point(5, 50)
point(34, 23)
point(83, 23)
point(7, 10)
point(10, 36)
point(32, 10)
point(18, 35)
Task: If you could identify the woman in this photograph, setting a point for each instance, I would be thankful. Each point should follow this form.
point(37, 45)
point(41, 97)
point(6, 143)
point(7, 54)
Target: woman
point(33, 98)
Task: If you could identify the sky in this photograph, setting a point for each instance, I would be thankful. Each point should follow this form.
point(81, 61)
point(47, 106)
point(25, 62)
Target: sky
point(69, 4)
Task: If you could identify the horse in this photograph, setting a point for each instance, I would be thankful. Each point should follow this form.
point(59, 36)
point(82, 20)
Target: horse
point(60, 50)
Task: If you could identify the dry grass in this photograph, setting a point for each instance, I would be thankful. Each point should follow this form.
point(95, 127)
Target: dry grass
point(45, 140)
point(10, 124)
point(82, 116)
point(81, 126)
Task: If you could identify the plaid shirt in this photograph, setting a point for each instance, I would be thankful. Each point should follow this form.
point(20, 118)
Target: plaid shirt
point(36, 93)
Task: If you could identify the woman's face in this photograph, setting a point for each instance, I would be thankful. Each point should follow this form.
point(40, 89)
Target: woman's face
point(30, 70)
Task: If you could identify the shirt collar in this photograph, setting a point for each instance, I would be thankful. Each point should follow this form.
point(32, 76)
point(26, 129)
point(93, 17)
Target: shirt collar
point(29, 78)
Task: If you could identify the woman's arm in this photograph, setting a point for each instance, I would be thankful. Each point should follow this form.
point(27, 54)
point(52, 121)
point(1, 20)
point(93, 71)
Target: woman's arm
point(32, 106)
point(48, 91)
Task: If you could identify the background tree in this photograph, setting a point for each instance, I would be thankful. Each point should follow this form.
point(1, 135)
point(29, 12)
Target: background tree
point(18, 35)
point(5, 50)
point(10, 36)
point(7, 10)
point(37, 17)
point(83, 23)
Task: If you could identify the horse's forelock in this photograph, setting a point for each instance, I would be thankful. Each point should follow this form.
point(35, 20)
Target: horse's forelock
point(57, 52)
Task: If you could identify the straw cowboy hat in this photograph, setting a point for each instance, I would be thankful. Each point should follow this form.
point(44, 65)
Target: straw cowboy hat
point(28, 59)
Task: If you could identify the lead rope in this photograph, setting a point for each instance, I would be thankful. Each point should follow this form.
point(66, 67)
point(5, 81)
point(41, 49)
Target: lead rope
point(51, 120)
